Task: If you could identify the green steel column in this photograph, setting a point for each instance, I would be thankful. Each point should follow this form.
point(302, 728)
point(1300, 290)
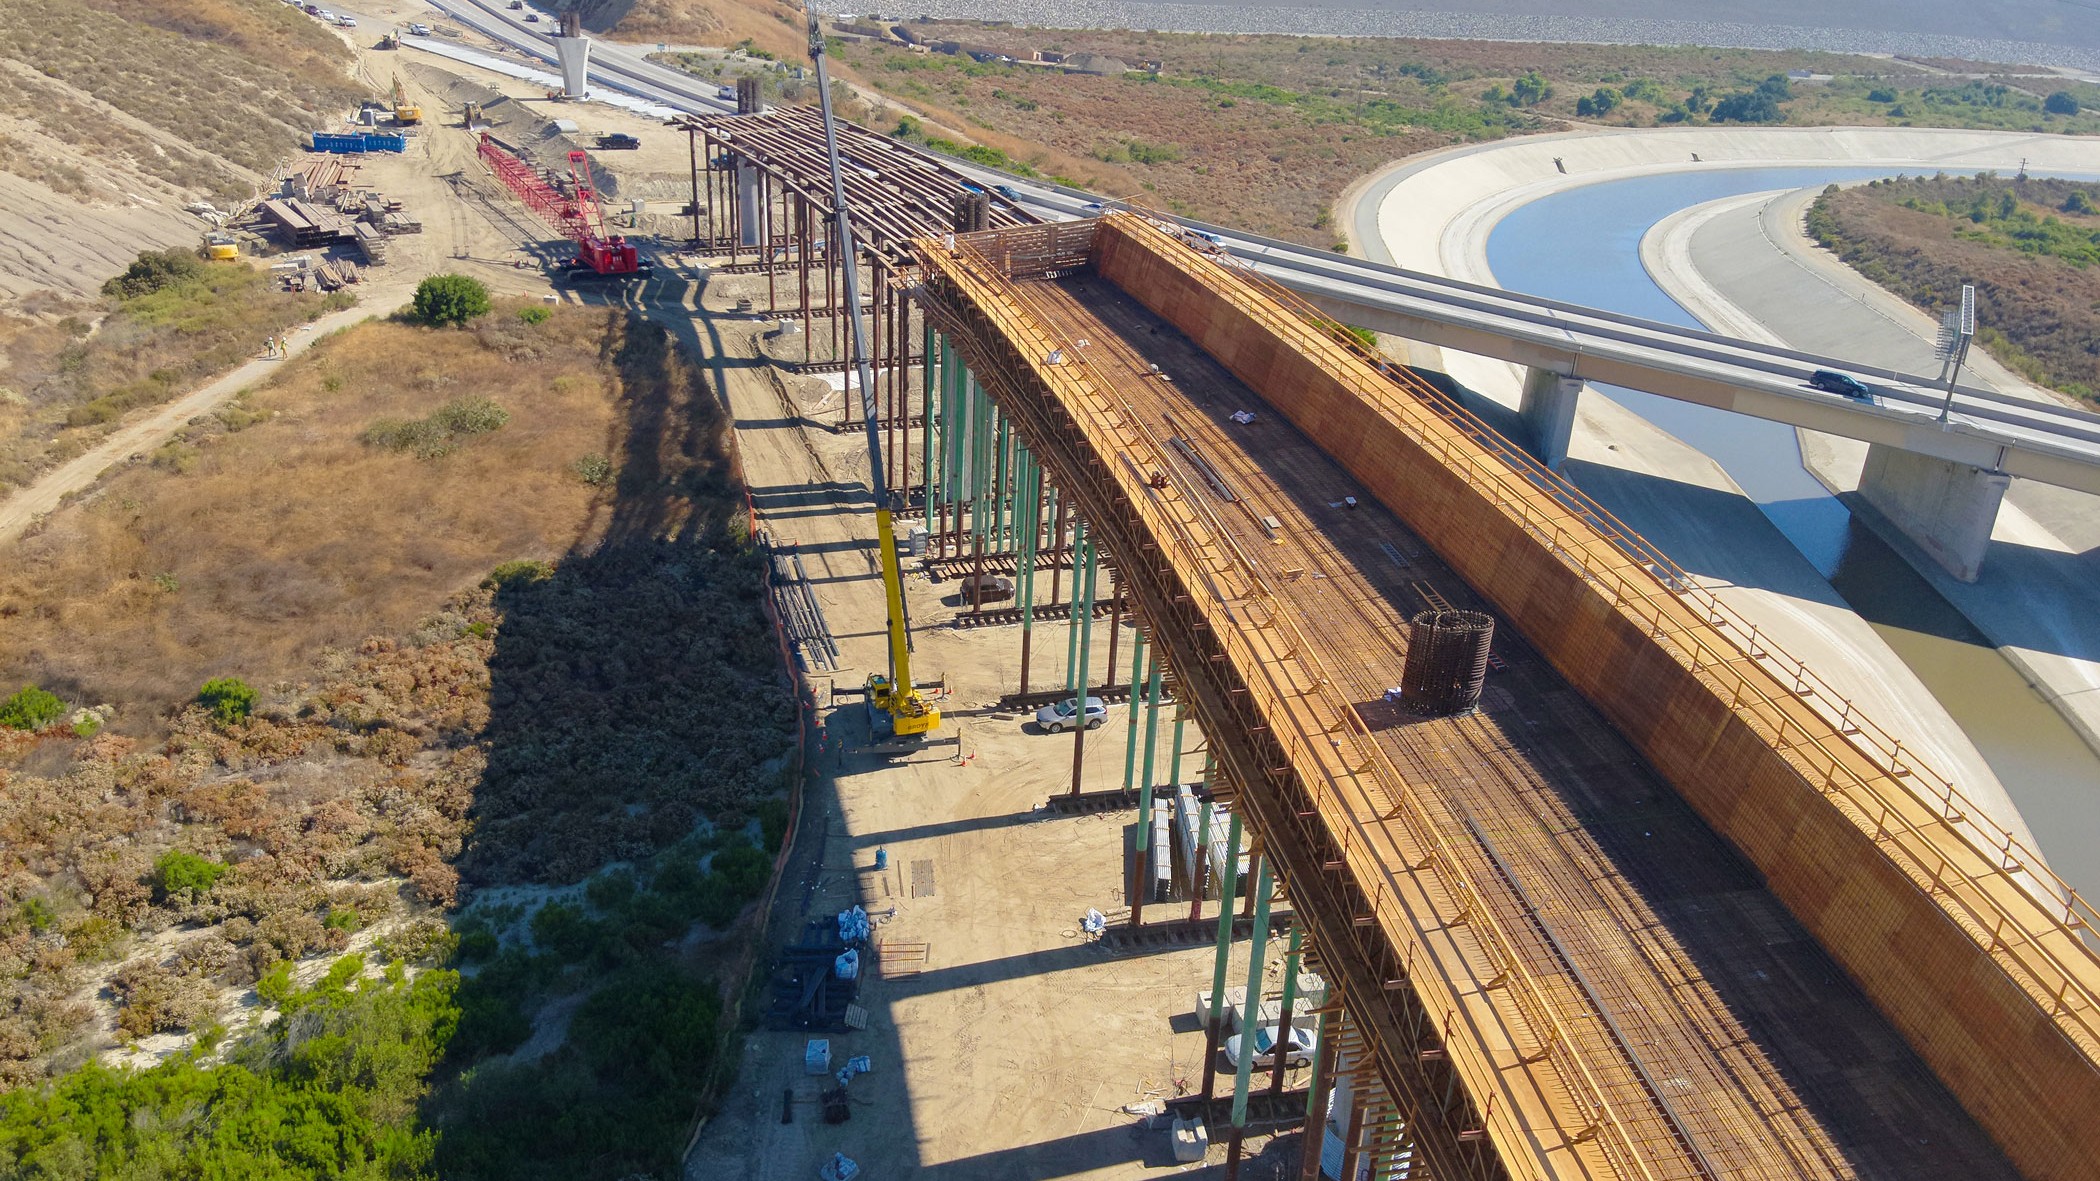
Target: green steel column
point(1260, 938)
point(927, 379)
point(1213, 1033)
point(1228, 885)
point(954, 423)
point(1002, 501)
point(979, 429)
point(1290, 997)
point(1151, 719)
point(1084, 618)
point(1314, 1117)
point(1072, 632)
point(1024, 586)
point(1181, 713)
point(1144, 832)
point(1085, 649)
point(1137, 696)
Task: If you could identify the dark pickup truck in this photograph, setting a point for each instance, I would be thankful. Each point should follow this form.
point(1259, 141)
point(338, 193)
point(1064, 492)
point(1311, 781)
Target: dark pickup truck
point(618, 142)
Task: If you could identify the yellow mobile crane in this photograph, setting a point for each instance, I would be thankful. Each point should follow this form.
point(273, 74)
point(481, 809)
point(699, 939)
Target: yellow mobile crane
point(406, 113)
point(910, 713)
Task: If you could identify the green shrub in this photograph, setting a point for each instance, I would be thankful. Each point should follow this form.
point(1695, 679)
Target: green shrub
point(38, 914)
point(650, 1026)
point(535, 315)
point(439, 434)
point(176, 872)
point(470, 416)
point(343, 918)
point(152, 271)
point(478, 945)
point(773, 822)
point(593, 469)
point(443, 300)
point(31, 708)
point(228, 698)
point(566, 931)
point(2061, 102)
point(520, 572)
point(275, 988)
point(1881, 94)
point(87, 727)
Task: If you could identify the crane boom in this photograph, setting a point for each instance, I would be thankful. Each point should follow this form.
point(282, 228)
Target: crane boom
point(909, 711)
point(577, 217)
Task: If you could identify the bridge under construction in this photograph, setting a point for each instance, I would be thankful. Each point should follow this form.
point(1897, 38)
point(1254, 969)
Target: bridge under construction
point(1663, 906)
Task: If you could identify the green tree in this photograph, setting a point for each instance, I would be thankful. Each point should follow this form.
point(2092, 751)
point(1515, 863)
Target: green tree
point(450, 299)
point(176, 872)
point(2078, 202)
point(31, 708)
point(1601, 103)
point(2061, 102)
point(1530, 90)
point(1757, 106)
point(228, 698)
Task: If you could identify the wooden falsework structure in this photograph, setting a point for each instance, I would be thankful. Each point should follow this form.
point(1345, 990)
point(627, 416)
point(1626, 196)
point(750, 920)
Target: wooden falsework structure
point(1970, 948)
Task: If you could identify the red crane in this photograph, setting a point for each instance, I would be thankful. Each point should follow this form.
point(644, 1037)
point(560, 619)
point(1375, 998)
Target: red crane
point(577, 216)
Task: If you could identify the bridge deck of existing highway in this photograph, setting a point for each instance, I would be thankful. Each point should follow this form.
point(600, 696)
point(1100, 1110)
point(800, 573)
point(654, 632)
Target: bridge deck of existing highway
point(1658, 979)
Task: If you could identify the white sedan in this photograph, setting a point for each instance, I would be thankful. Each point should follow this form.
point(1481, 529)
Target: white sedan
point(1300, 1054)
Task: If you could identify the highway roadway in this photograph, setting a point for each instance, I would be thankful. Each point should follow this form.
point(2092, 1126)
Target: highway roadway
point(2051, 444)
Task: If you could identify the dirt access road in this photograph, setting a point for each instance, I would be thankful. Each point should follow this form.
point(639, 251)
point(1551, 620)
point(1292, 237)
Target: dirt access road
point(466, 229)
point(1004, 1041)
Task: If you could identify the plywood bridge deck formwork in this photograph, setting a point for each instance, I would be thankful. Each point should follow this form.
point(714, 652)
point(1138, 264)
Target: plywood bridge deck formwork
point(1664, 908)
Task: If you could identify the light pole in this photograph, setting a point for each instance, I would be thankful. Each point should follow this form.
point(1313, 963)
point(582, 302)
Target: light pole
point(1955, 334)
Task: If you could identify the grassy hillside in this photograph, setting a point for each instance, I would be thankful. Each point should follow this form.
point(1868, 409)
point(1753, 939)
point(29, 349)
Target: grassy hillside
point(70, 368)
point(1264, 132)
point(493, 594)
point(2029, 246)
point(201, 94)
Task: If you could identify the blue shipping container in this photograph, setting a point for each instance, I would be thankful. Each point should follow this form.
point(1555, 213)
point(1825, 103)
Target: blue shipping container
point(352, 142)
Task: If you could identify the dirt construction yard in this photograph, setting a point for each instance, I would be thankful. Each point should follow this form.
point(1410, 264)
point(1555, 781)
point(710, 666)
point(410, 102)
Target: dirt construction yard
point(1017, 1046)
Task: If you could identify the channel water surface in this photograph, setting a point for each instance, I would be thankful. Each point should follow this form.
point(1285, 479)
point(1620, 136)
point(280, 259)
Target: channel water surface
point(2051, 775)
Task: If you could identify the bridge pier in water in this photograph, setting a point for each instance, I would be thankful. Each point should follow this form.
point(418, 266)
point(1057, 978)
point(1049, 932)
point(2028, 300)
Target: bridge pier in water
point(1946, 508)
point(1547, 409)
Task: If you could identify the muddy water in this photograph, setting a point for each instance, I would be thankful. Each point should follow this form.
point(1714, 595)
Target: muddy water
point(2051, 775)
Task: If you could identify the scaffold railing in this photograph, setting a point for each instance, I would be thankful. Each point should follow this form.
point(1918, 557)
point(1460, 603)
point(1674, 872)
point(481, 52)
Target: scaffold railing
point(1358, 792)
point(2038, 928)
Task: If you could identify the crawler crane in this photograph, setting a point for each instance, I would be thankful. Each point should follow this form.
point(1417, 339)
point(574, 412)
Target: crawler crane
point(909, 712)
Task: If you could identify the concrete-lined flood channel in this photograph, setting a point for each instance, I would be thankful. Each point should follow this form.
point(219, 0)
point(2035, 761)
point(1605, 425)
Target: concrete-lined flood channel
point(2050, 773)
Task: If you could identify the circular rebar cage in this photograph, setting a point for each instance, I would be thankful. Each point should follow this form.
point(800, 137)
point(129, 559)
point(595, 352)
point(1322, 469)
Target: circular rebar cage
point(1447, 662)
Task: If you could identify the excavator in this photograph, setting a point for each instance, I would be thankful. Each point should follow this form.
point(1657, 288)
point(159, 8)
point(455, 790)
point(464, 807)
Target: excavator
point(893, 699)
point(406, 113)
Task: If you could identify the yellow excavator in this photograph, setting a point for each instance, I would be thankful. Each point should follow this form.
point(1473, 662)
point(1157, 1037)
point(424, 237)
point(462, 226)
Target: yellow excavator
point(406, 113)
point(892, 698)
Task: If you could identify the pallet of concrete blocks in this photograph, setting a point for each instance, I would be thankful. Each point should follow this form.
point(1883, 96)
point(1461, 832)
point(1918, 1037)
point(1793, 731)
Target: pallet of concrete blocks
point(1161, 860)
point(1214, 848)
point(1188, 821)
point(399, 223)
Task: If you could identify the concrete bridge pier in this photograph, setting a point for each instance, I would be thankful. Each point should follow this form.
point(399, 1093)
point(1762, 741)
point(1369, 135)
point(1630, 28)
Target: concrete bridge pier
point(1946, 507)
point(1547, 410)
